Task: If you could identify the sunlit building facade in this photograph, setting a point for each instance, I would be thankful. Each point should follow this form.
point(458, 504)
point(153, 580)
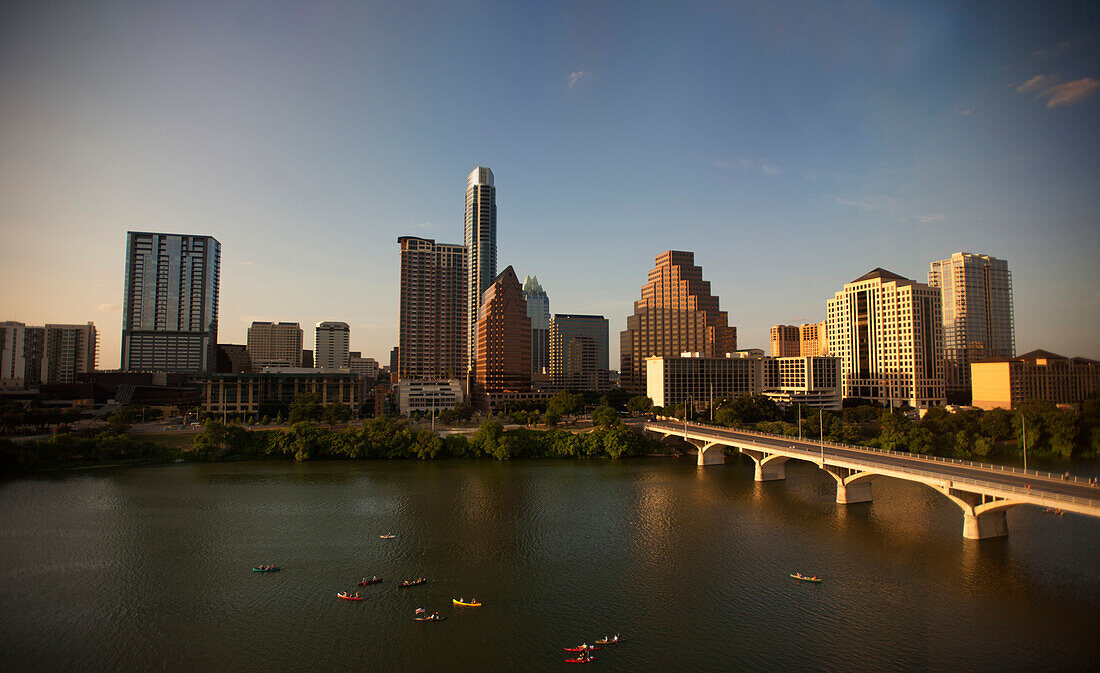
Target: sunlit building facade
point(1042, 375)
point(785, 341)
point(481, 247)
point(676, 314)
point(504, 337)
point(887, 331)
point(432, 321)
point(976, 293)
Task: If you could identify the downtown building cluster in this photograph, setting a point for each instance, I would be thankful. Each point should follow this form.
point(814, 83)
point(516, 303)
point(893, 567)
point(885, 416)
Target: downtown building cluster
point(886, 339)
point(469, 333)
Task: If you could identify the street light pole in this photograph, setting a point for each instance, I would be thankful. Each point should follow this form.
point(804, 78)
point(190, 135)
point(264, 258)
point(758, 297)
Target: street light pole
point(821, 435)
point(1023, 420)
point(800, 421)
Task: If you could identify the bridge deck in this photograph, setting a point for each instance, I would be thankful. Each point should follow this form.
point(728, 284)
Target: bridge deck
point(1032, 486)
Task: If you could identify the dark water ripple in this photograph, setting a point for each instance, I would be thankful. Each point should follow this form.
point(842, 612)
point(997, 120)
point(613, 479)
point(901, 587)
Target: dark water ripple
point(148, 569)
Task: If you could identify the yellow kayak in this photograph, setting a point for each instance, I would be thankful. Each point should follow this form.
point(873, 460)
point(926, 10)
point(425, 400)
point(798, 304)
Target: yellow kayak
point(472, 604)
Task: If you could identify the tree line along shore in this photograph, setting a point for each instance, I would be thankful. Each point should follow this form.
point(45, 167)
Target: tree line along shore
point(310, 432)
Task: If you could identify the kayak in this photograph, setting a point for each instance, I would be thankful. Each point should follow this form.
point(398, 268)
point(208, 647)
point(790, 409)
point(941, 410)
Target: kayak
point(464, 604)
point(581, 648)
point(373, 580)
point(609, 641)
point(387, 536)
point(580, 660)
point(407, 583)
point(346, 597)
point(265, 570)
point(803, 578)
point(429, 619)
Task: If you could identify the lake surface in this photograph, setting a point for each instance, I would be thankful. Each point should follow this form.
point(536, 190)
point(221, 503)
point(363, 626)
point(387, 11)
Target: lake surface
point(149, 569)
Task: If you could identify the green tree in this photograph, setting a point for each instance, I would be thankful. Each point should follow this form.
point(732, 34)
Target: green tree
point(605, 417)
point(487, 437)
point(639, 404)
point(921, 440)
point(894, 430)
point(565, 403)
point(337, 413)
point(305, 407)
point(996, 424)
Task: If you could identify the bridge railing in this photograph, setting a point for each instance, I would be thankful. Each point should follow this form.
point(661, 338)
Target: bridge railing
point(911, 470)
point(906, 454)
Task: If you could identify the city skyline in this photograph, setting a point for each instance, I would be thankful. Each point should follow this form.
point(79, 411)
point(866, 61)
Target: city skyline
point(788, 161)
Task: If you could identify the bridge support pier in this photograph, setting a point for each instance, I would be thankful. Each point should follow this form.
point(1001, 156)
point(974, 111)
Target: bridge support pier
point(770, 470)
point(851, 486)
point(850, 494)
point(769, 466)
point(710, 453)
point(982, 526)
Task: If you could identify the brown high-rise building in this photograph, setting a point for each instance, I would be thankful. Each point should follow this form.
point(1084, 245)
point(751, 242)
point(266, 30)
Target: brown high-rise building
point(503, 337)
point(785, 341)
point(676, 314)
point(432, 322)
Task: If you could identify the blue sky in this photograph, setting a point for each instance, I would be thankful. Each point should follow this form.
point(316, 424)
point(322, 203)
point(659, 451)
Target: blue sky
point(792, 146)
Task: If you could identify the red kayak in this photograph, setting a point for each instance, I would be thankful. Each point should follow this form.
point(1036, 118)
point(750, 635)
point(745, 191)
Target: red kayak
point(581, 648)
point(346, 597)
point(580, 660)
point(373, 580)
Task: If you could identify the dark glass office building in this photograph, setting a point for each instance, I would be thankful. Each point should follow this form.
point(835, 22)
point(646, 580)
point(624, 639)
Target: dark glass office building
point(170, 310)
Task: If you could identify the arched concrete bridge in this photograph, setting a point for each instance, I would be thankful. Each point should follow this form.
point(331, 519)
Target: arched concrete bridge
point(983, 492)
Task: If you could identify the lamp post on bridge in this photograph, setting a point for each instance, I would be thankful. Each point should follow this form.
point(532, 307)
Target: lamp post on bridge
point(821, 437)
point(1023, 421)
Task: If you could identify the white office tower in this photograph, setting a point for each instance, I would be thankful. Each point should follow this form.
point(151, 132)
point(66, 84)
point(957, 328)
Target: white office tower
point(977, 313)
point(332, 345)
point(481, 246)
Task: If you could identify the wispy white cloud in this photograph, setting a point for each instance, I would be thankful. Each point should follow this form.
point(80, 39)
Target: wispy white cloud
point(932, 218)
point(1037, 83)
point(966, 112)
point(108, 308)
point(745, 165)
point(575, 78)
point(1057, 92)
point(869, 202)
point(1057, 50)
point(1071, 92)
point(246, 263)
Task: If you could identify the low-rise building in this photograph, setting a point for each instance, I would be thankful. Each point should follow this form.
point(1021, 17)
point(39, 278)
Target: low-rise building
point(1006, 382)
point(428, 396)
point(811, 381)
point(246, 393)
point(671, 381)
point(367, 367)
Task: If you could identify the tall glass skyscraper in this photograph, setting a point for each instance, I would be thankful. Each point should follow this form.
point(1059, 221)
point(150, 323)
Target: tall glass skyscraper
point(538, 310)
point(481, 246)
point(977, 313)
point(170, 311)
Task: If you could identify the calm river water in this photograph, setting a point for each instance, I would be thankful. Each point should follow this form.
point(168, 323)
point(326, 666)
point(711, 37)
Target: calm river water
point(143, 569)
